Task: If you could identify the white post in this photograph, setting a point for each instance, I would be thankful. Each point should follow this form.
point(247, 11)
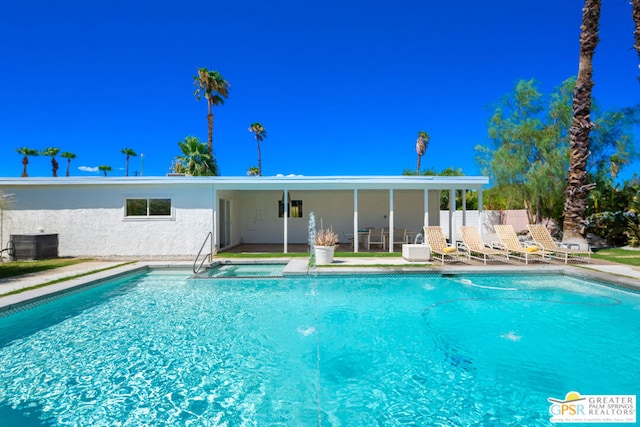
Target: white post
point(391, 220)
point(285, 198)
point(214, 229)
point(426, 209)
point(452, 209)
point(464, 207)
point(356, 236)
point(480, 210)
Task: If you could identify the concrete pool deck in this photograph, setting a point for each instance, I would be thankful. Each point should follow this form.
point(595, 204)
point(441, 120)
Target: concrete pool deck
point(88, 272)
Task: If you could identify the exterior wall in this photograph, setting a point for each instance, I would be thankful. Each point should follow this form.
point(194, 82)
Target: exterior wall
point(90, 220)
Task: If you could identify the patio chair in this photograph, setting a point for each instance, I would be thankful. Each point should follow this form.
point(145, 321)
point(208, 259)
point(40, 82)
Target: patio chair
point(376, 237)
point(542, 237)
point(509, 242)
point(347, 237)
point(399, 236)
point(434, 237)
point(478, 249)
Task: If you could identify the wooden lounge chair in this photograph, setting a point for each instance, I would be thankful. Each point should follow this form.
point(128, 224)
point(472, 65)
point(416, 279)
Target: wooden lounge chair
point(541, 236)
point(434, 237)
point(509, 241)
point(478, 249)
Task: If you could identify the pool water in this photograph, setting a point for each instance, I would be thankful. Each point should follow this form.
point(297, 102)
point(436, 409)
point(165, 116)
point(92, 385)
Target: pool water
point(246, 270)
point(367, 350)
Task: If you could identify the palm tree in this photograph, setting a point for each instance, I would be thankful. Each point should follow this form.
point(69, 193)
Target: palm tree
point(253, 171)
point(260, 134)
point(635, 7)
point(215, 89)
point(195, 159)
point(128, 152)
point(53, 152)
point(67, 155)
point(26, 152)
point(575, 205)
point(105, 169)
point(421, 147)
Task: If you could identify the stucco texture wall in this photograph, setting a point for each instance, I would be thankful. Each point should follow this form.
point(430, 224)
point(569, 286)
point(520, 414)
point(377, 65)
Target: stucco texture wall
point(90, 221)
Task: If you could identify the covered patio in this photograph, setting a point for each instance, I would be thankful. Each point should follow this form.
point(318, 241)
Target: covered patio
point(275, 211)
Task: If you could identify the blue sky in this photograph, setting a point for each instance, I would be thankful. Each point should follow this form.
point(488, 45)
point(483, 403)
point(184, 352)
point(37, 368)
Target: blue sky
point(342, 87)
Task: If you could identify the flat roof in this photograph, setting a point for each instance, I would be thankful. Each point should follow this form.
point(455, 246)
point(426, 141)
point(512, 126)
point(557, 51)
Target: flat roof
point(269, 182)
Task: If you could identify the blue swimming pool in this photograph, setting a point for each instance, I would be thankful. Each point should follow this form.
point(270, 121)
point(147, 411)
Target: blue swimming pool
point(424, 349)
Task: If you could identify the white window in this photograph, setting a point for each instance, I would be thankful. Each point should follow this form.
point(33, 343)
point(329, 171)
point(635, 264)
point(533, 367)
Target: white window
point(148, 208)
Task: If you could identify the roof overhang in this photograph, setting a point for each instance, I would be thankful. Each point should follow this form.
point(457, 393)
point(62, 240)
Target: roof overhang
point(270, 183)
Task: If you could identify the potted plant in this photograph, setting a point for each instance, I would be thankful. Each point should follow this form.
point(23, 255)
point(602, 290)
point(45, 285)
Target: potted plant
point(325, 244)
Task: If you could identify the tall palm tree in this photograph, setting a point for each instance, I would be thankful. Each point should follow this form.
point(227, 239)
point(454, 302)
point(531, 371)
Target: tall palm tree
point(575, 205)
point(26, 152)
point(215, 89)
point(260, 134)
point(421, 147)
point(53, 152)
point(105, 169)
point(128, 152)
point(67, 155)
point(195, 159)
point(635, 7)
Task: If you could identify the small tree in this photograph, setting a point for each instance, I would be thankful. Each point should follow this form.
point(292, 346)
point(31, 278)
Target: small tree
point(253, 171)
point(105, 169)
point(26, 152)
point(53, 152)
point(260, 135)
point(67, 155)
point(128, 152)
point(195, 159)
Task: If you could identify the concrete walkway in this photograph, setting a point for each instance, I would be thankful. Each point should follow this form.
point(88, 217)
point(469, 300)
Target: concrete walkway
point(97, 270)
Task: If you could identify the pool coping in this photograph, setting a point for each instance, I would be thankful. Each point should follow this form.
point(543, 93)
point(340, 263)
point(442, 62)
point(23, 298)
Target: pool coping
point(299, 267)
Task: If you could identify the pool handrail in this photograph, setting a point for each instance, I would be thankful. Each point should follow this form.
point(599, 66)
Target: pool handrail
point(207, 257)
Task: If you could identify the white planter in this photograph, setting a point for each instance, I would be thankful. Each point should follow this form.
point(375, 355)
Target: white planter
point(324, 254)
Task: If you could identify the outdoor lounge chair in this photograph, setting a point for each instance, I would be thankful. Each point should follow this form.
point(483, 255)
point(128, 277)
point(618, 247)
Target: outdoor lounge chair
point(376, 237)
point(509, 241)
point(478, 249)
point(440, 249)
point(541, 236)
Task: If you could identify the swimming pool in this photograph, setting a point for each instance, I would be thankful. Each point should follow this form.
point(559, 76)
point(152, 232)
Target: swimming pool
point(427, 349)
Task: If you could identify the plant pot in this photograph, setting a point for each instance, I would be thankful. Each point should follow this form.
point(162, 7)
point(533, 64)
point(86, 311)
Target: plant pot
point(324, 254)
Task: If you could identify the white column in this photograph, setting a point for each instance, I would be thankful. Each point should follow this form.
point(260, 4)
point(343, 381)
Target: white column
point(480, 211)
point(452, 209)
point(214, 228)
point(464, 207)
point(426, 209)
point(390, 242)
point(285, 198)
point(356, 236)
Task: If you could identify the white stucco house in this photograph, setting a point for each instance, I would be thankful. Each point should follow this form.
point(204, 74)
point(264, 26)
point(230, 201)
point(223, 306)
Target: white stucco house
point(170, 216)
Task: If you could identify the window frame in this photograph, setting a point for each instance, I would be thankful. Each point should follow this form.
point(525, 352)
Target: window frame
point(169, 217)
point(290, 203)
